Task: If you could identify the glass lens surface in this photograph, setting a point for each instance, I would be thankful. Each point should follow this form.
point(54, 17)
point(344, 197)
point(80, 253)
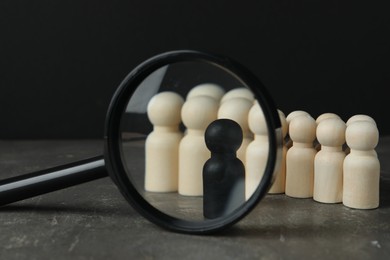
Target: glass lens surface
point(194, 141)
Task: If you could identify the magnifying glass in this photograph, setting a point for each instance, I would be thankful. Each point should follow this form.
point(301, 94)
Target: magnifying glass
point(177, 137)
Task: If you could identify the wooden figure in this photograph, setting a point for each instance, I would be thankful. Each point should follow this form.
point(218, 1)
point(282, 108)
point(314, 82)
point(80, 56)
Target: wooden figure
point(279, 184)
point(328, 162)
point(162, 144)
point(207, 89)
point(237, 109)
point(197, 113)
point(300, 157)
point(238, 92)
point(361, 166)
point(257, 150)
point(223, 173)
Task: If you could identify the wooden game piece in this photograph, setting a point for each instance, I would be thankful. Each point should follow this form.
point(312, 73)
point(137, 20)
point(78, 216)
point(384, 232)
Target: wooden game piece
point(300, 157)
point(237, 109)
point(197, 113)
point(289, 117)
point(238, 92)
point(223, 173)
point(257, 150)
point(321, 117)
point(361, 167)
point(162, 144)
point(279, 184)
point(328, 162)
point(206, 89)
point(355, 118)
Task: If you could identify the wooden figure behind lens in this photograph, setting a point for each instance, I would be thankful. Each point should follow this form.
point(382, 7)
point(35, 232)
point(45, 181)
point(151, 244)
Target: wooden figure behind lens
point(361, 166)
point(197, 113)
point(237, 109)
point(328, 163)
point(223, 173)
point(257, 151)
point(162, 144)
point(300, 157)
point(279, 184)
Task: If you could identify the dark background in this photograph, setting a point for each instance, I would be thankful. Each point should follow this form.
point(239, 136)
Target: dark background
point(61, 61)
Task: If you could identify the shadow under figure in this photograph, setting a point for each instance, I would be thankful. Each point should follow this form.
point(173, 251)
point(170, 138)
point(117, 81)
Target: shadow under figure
point(223, 173)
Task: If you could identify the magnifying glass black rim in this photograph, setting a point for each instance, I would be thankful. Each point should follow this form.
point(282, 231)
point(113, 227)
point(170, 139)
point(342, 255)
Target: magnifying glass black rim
point(113, 148)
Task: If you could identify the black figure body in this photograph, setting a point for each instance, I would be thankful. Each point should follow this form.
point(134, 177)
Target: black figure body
point(223, 173)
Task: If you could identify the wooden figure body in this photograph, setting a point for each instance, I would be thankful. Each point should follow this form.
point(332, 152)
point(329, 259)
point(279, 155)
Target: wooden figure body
point(257, 150)
point(328, 162)
point(197, 113)
point(361, 166)
point(223, 173)
point(300, 157)
point(237, 109)
point(162, 144)
point(279, 184)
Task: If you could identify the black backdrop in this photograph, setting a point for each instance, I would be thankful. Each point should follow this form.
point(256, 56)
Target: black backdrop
point(60, 61)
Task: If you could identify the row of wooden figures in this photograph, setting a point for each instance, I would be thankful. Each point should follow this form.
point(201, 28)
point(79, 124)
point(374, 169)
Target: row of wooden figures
point(330, 160)
point(314, 162)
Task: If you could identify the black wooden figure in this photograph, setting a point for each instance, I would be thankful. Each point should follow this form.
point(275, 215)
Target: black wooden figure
point(223, 173)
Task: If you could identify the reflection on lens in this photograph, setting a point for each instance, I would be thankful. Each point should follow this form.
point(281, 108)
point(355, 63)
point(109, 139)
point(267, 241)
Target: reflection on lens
point(164, 147)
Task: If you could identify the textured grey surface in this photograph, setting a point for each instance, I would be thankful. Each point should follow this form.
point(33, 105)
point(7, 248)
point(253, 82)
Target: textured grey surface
point(93, 221)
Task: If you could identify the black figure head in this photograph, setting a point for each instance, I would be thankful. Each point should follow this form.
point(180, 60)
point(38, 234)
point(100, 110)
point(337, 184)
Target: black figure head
point(223, 136)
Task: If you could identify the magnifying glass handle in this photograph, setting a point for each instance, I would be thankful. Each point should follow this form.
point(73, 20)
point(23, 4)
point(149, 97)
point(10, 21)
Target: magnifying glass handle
point(52, 179)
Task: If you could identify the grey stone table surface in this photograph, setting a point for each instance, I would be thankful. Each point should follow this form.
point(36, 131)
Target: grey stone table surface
point(93, 221)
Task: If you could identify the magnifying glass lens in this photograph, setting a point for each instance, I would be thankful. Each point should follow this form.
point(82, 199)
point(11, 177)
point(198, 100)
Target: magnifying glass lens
point(194, 141)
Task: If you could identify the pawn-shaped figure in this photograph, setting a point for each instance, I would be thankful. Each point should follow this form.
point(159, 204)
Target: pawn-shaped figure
point(162, 144)
point(279, 183)
point(237, 109)
point(300, 157)
point(328, 163)
point(197, 113)
point(257, 151)
point(206, 89)
point(223, 173)
point(361, 166)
